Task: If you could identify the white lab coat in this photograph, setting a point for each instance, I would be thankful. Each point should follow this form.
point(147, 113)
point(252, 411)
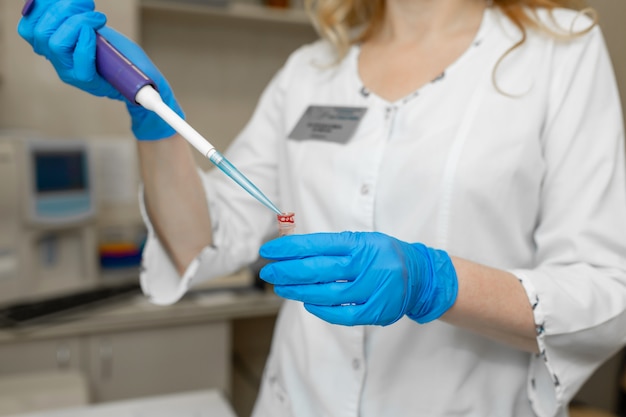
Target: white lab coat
point(531, 181)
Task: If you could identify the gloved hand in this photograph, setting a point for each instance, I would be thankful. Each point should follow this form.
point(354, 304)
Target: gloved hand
point(64, 31)
point(361, 278)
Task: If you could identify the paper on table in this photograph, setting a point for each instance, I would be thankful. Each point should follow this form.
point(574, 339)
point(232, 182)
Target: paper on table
point(206, 403)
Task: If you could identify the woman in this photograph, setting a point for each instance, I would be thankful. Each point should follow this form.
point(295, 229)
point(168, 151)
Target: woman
point(476, 152)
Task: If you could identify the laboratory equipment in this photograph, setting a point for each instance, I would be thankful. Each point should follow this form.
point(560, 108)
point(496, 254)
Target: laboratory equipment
point(121, 230)
point(47, 216)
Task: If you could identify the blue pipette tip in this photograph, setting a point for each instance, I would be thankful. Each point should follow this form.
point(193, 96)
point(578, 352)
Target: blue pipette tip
point(229, 169)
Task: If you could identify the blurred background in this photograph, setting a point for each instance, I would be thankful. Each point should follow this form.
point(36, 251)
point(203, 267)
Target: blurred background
point(75, 240)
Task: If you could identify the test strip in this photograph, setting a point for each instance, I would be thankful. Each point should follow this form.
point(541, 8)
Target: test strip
point(286, 223)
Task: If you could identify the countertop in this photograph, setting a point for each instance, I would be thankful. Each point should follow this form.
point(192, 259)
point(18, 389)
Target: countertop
point(138, 312)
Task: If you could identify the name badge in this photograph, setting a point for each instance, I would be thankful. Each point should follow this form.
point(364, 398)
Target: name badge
point(333, 124)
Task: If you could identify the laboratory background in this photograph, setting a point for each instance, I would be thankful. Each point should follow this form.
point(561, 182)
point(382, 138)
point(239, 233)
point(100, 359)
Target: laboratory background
point(74, 328)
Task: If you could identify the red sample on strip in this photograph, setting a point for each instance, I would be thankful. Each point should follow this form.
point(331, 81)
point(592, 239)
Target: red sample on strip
point(286, 223)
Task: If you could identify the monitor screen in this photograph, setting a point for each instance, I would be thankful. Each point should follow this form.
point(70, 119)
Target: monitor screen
point(58, 171)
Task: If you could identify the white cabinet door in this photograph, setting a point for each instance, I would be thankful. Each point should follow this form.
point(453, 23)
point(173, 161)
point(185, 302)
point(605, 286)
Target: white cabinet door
point(40, 356)
point(159, 361)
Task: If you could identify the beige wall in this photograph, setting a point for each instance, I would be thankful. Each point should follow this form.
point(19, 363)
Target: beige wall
point(613, 23)
point(31, 95)
point(218, 66)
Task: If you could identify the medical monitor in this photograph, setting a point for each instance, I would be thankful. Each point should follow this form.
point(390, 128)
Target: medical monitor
point(60, 171)
point(58, 182)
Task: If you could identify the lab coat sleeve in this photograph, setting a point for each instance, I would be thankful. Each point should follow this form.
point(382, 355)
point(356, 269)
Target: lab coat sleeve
point(578, 289)
point(240, 223)
point(160, 280)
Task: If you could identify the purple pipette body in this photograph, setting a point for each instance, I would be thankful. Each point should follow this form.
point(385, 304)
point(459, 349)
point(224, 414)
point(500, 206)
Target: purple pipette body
point(113, 66)
point(122, 74)
point(28, 7)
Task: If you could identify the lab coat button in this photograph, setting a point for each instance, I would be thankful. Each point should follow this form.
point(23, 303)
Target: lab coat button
point(365, 189)
point(356, 364)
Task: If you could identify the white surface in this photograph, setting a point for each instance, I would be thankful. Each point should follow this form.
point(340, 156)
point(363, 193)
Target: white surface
point(30, 392)
point(191, 404)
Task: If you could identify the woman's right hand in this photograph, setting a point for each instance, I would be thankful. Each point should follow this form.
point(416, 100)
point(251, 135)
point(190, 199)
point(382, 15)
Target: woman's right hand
point(64, 31)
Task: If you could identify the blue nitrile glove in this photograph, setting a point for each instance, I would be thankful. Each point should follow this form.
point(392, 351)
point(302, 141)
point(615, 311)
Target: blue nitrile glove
point(361, 278)
point(64, 31)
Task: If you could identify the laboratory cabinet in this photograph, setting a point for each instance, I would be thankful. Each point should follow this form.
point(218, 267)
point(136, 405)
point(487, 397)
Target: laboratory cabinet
point(136, 363)
point(41, 356)
point(158, 361)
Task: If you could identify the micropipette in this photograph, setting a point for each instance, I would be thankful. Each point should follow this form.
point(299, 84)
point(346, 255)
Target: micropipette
point(138, 88)
point(151, 100)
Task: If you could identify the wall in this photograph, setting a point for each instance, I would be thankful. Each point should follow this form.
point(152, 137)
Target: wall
point(32, 96)
point(612, 15)
point(218, 66)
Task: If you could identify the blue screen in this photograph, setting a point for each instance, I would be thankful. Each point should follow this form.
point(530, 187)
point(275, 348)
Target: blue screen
point(60, 171)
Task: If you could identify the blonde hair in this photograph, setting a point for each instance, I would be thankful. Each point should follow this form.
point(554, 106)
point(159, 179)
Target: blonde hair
point(347, 22)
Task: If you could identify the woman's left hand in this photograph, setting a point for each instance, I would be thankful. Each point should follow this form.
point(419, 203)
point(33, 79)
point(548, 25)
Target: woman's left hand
point(361, 278)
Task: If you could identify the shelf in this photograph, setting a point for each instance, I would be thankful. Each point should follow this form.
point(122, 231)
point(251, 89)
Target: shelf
point(234, 10)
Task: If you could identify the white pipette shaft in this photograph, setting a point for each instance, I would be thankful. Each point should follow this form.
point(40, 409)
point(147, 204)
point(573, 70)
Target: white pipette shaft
point(151, 100)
